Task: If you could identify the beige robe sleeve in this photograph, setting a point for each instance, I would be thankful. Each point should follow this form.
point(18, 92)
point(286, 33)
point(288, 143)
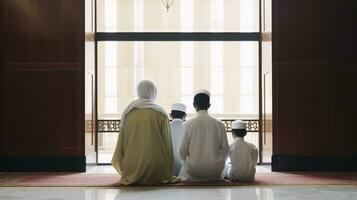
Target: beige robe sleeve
point(166, 131)
point(119, 152)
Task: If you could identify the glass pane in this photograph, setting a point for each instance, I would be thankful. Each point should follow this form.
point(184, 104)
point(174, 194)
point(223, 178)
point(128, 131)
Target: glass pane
point(106, 146)
point(111, 105)
point(182, 16)
point(216, 104)
point(180, 68)
point(247, 104)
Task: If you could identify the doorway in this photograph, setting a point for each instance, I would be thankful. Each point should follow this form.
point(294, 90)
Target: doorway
point(192, 45)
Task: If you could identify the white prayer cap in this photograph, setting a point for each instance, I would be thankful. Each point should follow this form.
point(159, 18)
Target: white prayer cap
point(202, 91)
point(179, 107)
point(239, 124)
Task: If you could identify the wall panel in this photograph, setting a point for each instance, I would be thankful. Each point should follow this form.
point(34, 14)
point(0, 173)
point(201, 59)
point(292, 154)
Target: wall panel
point(304, 116)
point(345, 109)
point(2, 75)
point(345, 77)
point(42, 31)
point(303, 29)
point(43, 92)
point(314, 85)
point(44, 111)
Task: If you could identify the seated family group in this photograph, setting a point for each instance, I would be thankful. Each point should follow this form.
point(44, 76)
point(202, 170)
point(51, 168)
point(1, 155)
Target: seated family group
point(151, 150)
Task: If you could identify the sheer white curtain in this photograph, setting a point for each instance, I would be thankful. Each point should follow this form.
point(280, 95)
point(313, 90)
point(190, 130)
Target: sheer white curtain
point(228, 69)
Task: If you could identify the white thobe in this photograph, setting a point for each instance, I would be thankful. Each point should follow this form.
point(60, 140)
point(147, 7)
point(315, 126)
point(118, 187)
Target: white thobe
point(244, 157)
point(176, 137)
point(204, 148)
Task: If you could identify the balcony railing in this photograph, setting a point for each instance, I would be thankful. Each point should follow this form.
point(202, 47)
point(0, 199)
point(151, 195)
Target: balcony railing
point(108, 126)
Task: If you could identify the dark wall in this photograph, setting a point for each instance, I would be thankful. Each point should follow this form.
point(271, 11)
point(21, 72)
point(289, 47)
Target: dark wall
point(42, 96)
point(2, 75)
point(314, 84)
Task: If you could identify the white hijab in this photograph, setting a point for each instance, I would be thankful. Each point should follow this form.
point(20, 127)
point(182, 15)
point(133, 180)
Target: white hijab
point(147, 94)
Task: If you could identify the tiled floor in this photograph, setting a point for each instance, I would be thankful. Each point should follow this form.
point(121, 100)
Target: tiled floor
point(179, 193)
point(193, 193)
point(107, 169)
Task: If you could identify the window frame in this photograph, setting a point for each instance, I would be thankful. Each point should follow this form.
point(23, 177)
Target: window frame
point(182, 36)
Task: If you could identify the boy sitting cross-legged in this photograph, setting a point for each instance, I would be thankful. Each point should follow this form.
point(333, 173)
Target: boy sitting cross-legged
point(243, 155)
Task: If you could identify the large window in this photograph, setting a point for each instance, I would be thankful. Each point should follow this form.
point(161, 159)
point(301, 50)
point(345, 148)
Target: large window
point(210, 44)
point(183, 16)
point(229, 70)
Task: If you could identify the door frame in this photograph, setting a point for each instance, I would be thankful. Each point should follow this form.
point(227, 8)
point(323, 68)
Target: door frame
point(183, 36)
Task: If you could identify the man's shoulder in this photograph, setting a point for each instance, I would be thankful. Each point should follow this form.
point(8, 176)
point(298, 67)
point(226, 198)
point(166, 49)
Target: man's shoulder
point(211, 119)
point(243, 144)
point(188, 122)
point(216, 121)
point(252, 146)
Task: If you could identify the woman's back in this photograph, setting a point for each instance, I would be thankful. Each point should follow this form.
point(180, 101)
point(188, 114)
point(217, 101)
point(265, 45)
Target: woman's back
point(147, 148)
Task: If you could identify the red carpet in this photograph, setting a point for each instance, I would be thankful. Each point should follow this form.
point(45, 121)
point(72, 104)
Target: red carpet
point(111, 180)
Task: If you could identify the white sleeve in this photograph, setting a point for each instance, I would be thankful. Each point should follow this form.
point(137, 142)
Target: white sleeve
point(224, 142)
point(255, 155)
point(185, 142)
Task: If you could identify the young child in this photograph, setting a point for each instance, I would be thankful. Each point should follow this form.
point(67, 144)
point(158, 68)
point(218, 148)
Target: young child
point(243, 155)
point(178, 114)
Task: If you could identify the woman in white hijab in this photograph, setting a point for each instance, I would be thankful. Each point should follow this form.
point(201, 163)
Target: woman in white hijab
point(143, 154)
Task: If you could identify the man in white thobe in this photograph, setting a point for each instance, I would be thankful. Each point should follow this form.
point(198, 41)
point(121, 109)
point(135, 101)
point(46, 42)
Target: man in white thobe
point(178, 114)
point(204, 147)
point(243, 155)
